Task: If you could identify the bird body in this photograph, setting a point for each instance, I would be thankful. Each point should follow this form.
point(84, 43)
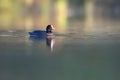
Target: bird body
point(43, 33)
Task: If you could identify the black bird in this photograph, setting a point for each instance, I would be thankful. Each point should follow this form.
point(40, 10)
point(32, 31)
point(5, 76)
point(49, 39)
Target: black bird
point(42, 33)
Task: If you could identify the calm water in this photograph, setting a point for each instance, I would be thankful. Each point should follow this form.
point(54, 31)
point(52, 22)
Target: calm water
point(76, 55)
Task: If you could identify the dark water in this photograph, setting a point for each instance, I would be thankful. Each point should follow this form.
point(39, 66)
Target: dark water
point(74, 56)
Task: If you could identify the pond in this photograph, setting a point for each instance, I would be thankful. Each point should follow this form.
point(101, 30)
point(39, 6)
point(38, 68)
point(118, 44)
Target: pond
point(75, 55)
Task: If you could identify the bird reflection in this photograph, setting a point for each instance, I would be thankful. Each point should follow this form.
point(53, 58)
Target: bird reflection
point(50, 40)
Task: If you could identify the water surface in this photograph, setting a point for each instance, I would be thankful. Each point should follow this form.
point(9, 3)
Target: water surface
point(76, 55)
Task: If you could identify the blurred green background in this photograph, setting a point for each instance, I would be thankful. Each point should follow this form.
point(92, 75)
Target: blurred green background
point(36, 14)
